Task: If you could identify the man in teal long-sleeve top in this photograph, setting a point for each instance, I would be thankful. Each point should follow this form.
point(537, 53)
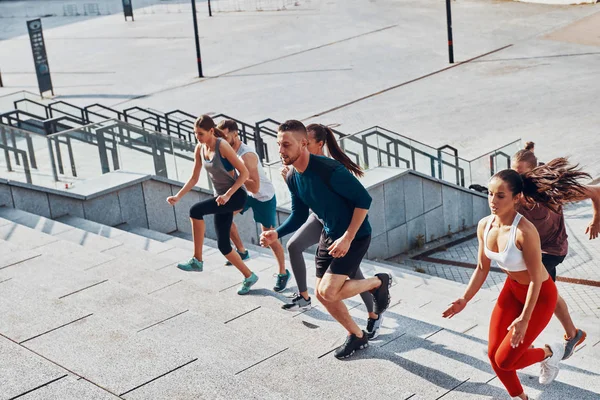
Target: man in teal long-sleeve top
point(337, 197)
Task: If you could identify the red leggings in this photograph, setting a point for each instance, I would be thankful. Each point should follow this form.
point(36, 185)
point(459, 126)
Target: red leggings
point(505, 359)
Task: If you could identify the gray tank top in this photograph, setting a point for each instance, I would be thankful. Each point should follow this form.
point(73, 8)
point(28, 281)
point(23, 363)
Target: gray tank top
point(221, 179)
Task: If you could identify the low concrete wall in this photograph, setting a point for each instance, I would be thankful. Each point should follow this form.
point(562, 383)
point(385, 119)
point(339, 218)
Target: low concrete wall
point(407, 207)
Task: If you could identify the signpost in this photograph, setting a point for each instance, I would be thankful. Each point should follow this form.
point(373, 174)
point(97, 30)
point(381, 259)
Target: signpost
point(40, 59)
point(449, 22)
point(198, 58)
point(128, 9)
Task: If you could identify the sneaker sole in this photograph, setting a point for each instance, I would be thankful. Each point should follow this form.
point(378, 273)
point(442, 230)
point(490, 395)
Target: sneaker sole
point(581, 340)
point(364, 346)
point(303, 308)
point(188, 270)
point(389, 299)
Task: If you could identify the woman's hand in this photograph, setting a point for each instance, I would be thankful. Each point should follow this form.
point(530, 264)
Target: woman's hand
point(223, 199)
point(456, 307)
point(519, 327)
point(172, 200)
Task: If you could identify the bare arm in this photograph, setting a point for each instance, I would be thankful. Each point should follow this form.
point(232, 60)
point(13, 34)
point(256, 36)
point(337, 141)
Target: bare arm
point(483, 265)
point(195, 174)
point(478, 277)
point(238, 164)
point(253, 182)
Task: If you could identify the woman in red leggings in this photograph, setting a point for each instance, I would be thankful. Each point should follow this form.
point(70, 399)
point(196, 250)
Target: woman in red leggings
point(528, 298)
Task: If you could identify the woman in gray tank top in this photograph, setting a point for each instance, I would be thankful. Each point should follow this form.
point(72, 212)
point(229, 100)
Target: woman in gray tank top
point(221, 162)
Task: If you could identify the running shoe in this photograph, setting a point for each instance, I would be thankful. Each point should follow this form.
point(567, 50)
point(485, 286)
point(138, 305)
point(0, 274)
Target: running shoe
point(373, 326)
point(352, 344)
point(298, 303)
point(245, 255)
point(247, 284)
point(192, 265)
point(282, 281)
point(549, 367)
point(571, 344)
point(381, 295)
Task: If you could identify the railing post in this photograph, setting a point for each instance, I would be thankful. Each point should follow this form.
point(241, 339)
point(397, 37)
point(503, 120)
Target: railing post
point(52, 160)
point(258, 143)
point(6, 153)
point(71, 157)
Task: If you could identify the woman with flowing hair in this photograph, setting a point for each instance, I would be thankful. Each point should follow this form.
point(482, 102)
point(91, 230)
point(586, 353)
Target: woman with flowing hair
point(528, 299)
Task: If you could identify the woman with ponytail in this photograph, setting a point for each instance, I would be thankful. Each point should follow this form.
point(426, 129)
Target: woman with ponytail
point(221, 163)
point(528, 298)
point(550, 224)
point(308, 235)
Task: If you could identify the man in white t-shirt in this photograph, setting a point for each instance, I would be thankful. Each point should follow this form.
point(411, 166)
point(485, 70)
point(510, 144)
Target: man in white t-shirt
point(261, 199)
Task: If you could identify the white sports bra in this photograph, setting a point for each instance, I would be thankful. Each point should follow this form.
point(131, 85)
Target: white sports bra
point(511, 259)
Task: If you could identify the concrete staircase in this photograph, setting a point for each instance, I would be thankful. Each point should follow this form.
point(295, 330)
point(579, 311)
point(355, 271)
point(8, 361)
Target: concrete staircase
point(97, 312)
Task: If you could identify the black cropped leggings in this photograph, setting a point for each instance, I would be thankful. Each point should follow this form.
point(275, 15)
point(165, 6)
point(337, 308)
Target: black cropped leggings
point(223, 216)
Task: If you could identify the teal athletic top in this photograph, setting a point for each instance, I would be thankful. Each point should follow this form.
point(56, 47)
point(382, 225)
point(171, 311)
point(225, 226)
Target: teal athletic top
point(331, 192)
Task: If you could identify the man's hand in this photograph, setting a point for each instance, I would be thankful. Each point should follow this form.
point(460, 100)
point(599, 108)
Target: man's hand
point(268, 237)
point(340, 247)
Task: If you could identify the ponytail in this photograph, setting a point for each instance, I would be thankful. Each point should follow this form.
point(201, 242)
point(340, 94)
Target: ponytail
point(325, 134)
point(552, 185)
point(555, 183)
point(529, 146)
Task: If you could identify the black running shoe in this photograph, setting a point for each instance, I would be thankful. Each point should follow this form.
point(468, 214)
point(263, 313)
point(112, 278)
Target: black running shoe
point(381, 295)
point(352, 344)
point(373, 326)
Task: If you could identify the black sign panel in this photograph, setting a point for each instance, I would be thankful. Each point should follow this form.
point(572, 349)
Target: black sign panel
point(40, 59)
point(127, 9)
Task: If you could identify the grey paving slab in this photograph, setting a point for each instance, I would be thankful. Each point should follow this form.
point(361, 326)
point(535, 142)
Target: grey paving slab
point(70, 388)
point(73, 255)
point(24, 237)
point(119, 235)
point(35, 222)
point(126, 308)
point(46, 276)
point(107, 355)
point(26, 313)
point(31, 201)
point(197, 381)
point(21, 370)
point(12, 254)
point(60, 206)
point(218, 346)
point(130, 199)
point(88, 240)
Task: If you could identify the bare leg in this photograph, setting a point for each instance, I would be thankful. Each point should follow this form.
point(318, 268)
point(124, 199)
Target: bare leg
point(337, 309)
point(236, 239)
point(234, 258)
point(198, 228)
point(277, 249)
point(562, 313)
point(333, 291)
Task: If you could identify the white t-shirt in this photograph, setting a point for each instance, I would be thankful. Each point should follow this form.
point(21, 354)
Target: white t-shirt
point(266, 190)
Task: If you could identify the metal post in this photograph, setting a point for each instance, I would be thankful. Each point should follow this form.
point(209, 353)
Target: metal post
point(1, 84)
point(449, 22)
point(198, 58)
point(209, 9)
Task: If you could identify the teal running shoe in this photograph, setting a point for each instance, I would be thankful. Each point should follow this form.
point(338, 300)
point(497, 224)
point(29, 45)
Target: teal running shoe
point(282, 281)
point(247, 284)
point(192, 265)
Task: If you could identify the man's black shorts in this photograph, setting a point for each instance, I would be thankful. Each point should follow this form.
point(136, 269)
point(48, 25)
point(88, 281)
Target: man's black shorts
point(347, 265)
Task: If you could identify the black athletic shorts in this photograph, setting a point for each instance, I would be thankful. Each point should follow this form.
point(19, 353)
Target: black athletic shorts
point(347, 265)
point(551, 262)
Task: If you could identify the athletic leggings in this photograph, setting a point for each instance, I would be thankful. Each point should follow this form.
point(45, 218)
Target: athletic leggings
point(223, 216)
point(505, 359)
point(308, 235)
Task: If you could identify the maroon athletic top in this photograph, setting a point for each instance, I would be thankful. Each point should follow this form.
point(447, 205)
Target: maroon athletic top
point(550, 226)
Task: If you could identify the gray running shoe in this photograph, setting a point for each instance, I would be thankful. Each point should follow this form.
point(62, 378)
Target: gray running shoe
point(298, 303)
point(571, 344)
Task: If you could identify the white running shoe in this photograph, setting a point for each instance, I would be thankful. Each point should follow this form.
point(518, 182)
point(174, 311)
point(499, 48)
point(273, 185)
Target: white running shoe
point(549, 367)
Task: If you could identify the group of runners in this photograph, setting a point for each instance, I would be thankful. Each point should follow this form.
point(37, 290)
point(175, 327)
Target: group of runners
point(525, 235)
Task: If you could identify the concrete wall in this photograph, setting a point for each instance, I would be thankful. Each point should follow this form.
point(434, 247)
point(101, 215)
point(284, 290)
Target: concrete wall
point(406, 205)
